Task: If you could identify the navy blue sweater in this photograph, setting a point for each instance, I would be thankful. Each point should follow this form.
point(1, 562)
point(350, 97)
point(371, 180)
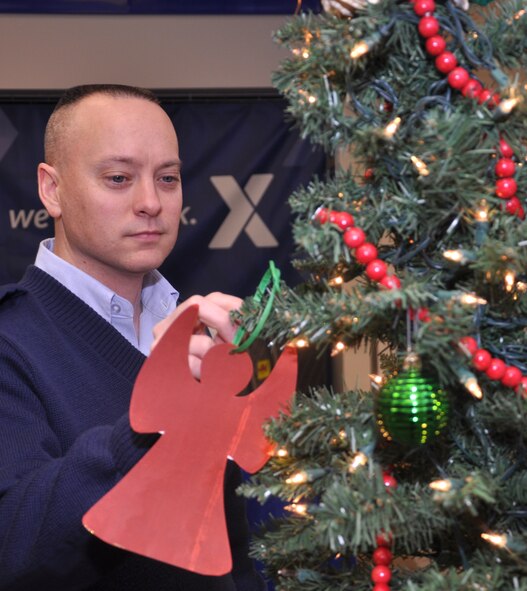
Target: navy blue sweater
point(66, 376)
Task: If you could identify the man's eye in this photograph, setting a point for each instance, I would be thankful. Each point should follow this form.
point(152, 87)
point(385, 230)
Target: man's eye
point(169, 178)
point(118, 179)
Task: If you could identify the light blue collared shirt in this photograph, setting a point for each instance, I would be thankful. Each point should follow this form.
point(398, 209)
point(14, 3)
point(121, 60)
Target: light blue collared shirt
point(158, 297)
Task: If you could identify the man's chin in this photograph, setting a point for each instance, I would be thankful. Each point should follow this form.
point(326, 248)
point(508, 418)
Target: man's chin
point(145, 265)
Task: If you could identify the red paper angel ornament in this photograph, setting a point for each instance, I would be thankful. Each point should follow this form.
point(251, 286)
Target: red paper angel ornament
point(170, 504)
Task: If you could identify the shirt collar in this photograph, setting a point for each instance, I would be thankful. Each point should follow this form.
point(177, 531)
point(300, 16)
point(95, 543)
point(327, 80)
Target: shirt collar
point(158, 296)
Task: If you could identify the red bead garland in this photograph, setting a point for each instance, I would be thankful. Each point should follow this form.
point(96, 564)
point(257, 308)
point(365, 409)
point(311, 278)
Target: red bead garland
point(381, 573)
point(495, 369)
point(364, 252)
point(459, 79)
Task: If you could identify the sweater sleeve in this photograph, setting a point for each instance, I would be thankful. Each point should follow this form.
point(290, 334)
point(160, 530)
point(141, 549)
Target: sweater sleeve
point(45, 489)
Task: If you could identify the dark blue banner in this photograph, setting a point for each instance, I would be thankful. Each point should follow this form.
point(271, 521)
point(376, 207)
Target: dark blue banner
point(157, 6)
point(241, 161)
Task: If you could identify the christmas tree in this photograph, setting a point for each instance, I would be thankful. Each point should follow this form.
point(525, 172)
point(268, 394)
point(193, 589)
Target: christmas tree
point(415, 243)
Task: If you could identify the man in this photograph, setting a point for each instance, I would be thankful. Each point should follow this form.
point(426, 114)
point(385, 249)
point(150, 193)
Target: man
point(74, 333)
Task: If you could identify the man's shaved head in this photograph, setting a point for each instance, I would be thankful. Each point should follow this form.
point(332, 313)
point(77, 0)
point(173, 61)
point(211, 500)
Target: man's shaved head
point(59, 122)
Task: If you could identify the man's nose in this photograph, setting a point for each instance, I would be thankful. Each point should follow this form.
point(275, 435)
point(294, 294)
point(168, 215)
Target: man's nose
point(146, 199)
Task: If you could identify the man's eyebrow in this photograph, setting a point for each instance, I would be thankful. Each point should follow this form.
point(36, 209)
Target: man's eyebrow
point(176, 162)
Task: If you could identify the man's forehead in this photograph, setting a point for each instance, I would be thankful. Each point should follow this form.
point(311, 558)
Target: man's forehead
point(109, 117)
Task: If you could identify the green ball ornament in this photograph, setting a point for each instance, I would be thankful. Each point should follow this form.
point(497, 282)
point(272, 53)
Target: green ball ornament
point(411, 408)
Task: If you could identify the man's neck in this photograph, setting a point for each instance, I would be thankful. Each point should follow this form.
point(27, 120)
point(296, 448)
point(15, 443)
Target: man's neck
point(126, 285)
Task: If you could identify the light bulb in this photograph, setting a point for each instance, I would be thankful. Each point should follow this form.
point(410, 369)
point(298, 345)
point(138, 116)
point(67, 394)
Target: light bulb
point(420, 166)
point(455, 256)
point(299, 343)
point(338, 348)
point(359, 49)
point(471, 384)
point(297, 478)
point(359, 459)
point(499, 540)
point(441, 485)
point(391, 129)
point(471, 299)
point(510, 279)
point(298, 508)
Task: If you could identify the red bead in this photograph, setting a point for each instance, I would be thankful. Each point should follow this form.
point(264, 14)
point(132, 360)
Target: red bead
point(458, 77)
point(472, 89)
point(390, 282)
point(428, 26)
point(505, 149)
point(435, 45)
point(389, 480)
point(484, 96)
point(470, 344)
point(333, 216)
point(513, 205)
point(481, 359)
point(521, 388)
point(505, 167)
point(368, 174)
point(376, 269)
point(506, 188)
point(512, 377)
point(344, 220)
point(421, 7)
point(446, 62)
point(366, 253)
point(423, 314)
point(496, 369)
point(383, 539)
point(381, 574)
point(381, 587)
point(354, 237)
point(382, 555)
point(489, 97)
point(321, 215)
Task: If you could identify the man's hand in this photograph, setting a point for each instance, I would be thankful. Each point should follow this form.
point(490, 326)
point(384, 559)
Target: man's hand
point(214, 325)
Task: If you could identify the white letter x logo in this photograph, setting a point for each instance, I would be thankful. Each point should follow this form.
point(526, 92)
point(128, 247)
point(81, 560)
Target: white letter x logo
point(243, 216)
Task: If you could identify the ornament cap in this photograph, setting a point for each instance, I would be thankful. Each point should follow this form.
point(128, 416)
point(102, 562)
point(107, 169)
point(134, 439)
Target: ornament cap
point(412, 361)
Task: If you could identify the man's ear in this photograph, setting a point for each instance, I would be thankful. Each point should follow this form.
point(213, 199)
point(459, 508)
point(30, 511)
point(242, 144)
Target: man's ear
point(48, 189)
